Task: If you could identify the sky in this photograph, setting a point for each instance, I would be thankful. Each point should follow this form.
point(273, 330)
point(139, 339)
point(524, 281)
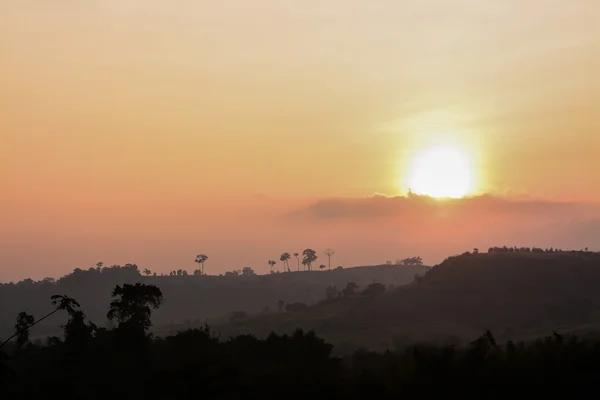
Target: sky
point(148, 131)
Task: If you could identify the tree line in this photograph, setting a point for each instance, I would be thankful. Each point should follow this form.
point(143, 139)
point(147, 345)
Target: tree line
point(307, 259)
point(516, 249)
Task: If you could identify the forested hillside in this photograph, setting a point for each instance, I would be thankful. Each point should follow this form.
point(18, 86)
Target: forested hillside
point(189, 298)
point(517, 295)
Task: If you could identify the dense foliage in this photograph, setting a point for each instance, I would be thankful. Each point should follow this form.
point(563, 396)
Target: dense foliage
point(127, 362)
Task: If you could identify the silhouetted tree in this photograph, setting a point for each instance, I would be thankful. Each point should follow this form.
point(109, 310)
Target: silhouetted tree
point(309, 256)
point(271, 265)
point(147, 272)
point(24, 321)
point(305, 264)
point(77, 332)
point(285, 258)
point(132, 306)
point(201, 259)
point(60, 302)
point(297, 259)
point(322, 267)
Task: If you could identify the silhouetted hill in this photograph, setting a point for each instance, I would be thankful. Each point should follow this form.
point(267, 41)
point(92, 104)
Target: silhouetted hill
point(188, 299)
point(516, 295)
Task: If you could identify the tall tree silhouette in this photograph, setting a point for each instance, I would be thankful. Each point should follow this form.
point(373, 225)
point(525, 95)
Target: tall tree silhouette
point(329, 253)
point(285, 258)
point(132, 306)
point(272, 264)
point(24, 321)
point(60, 302)
point(309, 256)
point(77, 332)
point(305, 264)
point(201, 259)
point(298, 259)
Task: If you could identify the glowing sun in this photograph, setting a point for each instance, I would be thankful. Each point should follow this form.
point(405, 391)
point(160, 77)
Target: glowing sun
point(441, 172)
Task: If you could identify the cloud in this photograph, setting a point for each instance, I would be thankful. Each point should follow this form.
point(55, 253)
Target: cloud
point(373, 207)
point(393, 226)
point(383, 207)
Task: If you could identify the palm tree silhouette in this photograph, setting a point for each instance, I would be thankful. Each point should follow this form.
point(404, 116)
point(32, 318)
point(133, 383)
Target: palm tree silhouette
point(272, 264)
point(297, 258)
point(285, 258)
point(60, 302)
point(63, 302)
point(201, 259)
point(305, 264)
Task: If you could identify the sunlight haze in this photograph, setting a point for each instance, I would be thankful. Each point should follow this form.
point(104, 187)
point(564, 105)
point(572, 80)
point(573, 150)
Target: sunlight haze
point(152, 131)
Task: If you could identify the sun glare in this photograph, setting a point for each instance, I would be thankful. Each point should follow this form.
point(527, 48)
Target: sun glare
point(441, 172)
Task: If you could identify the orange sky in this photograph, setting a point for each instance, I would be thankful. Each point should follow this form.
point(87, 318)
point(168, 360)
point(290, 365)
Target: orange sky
point(148, 131)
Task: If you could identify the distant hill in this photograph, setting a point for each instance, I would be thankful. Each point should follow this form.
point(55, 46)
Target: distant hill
point(188, 299)
point(516, 295)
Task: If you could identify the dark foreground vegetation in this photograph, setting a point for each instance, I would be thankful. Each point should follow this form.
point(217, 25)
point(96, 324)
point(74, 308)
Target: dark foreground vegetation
point(126, 361)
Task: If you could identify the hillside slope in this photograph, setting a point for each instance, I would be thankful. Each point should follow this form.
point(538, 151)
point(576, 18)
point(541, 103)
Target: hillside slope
point(516, 295)
point(187, 298)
